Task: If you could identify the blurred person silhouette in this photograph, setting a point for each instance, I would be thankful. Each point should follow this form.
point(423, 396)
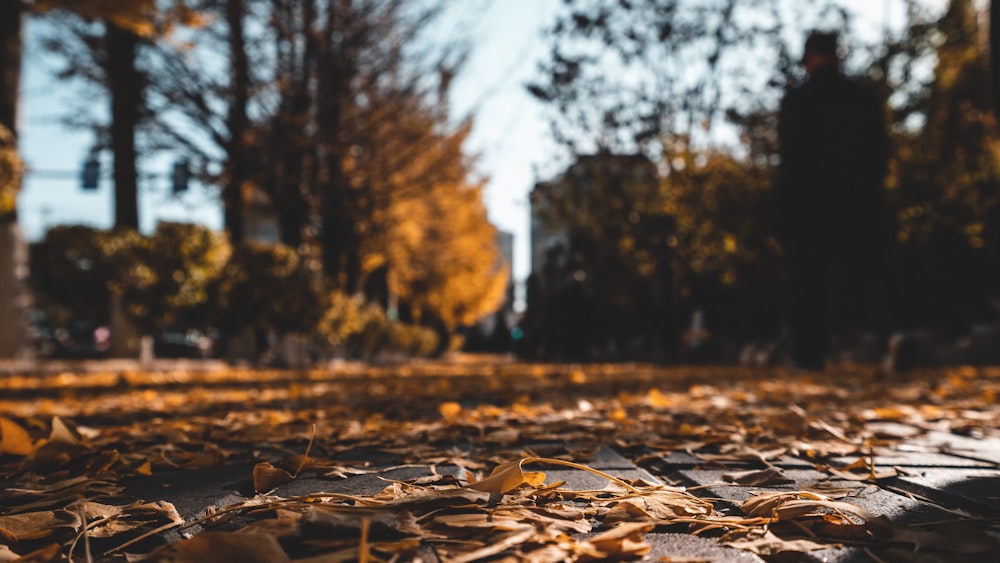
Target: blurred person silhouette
point(831, 214)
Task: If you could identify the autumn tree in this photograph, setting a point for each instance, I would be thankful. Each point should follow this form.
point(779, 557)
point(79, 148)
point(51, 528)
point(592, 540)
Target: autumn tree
point(611, 285)
point(945, 181)
point(12, 322)
point(347, 137)
point(431, 241)
point(99, 42)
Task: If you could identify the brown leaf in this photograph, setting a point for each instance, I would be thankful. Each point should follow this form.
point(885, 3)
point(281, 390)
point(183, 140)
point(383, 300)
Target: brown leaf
point(55, 494)
point(658, 506)
point(791, 505)
point(126, 519)
point(267, 477)
point(45, 554)
point(65, 433)
point(39, 525)
point(7, 555)
point(767, 544)
point(14, 440)
point(497, 546)
point(624, 541)
point(326, 520)
point(222, 547)
point(767, 477)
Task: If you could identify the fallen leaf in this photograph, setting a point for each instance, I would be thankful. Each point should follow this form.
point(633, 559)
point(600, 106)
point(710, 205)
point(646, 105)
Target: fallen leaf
point(326, 520)
point(7, 555)
point(45, 554)
point(766, 544)
point(39, 525)
point(14, 440)
point(222, 547)
point(767, 477)
point(64, 433)
point(497, 546)
point(507, 477)
point(450, 410)
point(624, 541)
point(267, 477)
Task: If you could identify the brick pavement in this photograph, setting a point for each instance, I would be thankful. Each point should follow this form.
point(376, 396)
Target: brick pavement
point(941, 477)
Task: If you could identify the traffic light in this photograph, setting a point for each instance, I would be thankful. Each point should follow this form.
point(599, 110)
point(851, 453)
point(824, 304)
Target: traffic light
point(91, 173)
point(180, 176)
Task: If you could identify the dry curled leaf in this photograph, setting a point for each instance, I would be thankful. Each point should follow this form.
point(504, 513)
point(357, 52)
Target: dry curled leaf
point(267, 477)
point(624, 541)
point(767, 477)
point(222, 547)
point(14, 440)
point(39, 525)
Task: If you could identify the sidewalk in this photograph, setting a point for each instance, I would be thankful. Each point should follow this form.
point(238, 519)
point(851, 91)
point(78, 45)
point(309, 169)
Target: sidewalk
point(904, 469)
point(940, 477)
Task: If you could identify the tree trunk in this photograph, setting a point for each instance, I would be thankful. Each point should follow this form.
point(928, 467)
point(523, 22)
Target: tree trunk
point(239, 78)
point(995, 53)
point(125, 87)
point(340, 248)
point(10, 61)
point(13, 265)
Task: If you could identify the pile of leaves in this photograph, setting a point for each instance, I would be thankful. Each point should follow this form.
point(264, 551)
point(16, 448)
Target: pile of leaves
point(483, 437)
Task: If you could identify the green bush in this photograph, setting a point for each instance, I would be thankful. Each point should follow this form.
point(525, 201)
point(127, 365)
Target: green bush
point(163, 278)
point(75, 268)
point(362, 330)
point(268, 287)
point(183, 260)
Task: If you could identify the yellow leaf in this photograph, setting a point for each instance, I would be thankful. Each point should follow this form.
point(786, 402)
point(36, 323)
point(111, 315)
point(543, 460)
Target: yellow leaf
point(14, 440)
point(659, 400)
point(450, 410)
point(507, 477)
point(618, 414)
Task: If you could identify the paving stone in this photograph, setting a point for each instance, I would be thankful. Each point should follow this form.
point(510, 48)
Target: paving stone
point(916, 459)
point(872, 498)
point(975, 490)
point(668, 546)
point(192, 491)
point(578, 480)
point(607, 458)
point(361, 485)
point(675, 461)
point(982, 449)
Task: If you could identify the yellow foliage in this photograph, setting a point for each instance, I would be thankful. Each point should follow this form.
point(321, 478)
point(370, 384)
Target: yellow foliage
point(11, 172)
point(429, 228)
point(145, 18)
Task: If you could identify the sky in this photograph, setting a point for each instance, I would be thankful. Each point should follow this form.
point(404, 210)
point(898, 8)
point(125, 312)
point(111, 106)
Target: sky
point(510, 135)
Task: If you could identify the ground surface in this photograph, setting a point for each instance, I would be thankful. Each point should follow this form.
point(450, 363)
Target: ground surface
point(486, 459)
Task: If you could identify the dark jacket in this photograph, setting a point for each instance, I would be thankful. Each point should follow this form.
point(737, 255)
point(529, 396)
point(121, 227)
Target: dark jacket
point(834, 150)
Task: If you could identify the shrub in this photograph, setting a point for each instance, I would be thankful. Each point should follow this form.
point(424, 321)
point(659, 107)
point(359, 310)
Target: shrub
point(267, 287)
point(362, 330)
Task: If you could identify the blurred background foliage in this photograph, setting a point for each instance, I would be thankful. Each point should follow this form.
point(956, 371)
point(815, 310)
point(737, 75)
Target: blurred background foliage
point(333, 118)
point(186, 277)
point(330, 120)
point(694, 97)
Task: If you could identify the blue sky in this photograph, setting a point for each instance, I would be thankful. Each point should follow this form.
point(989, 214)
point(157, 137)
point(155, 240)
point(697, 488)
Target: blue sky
point(509, 134)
